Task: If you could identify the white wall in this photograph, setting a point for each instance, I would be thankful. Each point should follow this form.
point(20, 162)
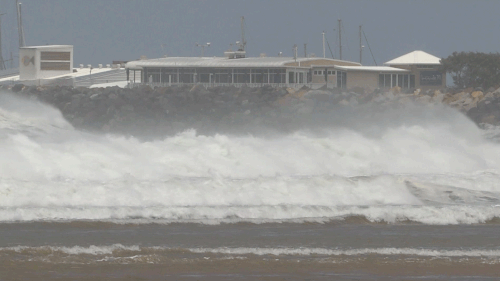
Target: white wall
point(33, 71)
point(27, 67)
point(51, 73)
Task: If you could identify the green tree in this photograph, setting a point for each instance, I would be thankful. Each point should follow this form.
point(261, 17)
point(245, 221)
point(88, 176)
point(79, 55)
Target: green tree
point(473, 69)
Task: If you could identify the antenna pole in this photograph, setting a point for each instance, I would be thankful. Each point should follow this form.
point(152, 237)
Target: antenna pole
point(203, 48)
point(2, 62)
point(20, 24)
point(243, 42)
point(360, 46)
point(324, 50)
point(340, 39)
point(305, 50)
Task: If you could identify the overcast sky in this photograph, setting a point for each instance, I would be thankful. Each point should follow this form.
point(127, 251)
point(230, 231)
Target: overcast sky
point(103, 31)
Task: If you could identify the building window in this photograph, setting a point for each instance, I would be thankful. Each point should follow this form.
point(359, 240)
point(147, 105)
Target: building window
point(277, 75)
point(404, 81)
point(425, 66)
point(431, 78)
point(341, 80)
point(153, 75)
point(241, 75)
point(331, 72)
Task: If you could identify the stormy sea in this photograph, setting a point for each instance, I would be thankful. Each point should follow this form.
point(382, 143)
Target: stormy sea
point(412, 194)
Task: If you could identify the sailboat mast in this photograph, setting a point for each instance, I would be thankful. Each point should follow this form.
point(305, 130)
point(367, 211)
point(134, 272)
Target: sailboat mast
point(20, 24)
point(243, 42)
point(340, 39)
point(2, 61)
point(360, 46)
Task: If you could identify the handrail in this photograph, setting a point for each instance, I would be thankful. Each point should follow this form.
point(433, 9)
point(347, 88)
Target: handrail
point(237, 85)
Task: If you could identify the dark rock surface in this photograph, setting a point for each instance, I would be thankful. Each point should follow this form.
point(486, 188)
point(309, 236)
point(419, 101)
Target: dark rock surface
point(145, 111)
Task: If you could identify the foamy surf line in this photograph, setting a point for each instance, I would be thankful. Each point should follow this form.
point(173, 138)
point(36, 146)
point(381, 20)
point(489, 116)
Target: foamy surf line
point(75, 250)
point(135, 249)
point(349, 252)
point(426, 214)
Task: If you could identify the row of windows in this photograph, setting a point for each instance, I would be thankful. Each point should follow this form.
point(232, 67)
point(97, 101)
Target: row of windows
point(215, 75)
point(425, 66)
point(393, 80)
point(322, 72)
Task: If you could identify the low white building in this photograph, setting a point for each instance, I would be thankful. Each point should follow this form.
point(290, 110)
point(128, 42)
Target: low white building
point(237, 71)
point(40, 62)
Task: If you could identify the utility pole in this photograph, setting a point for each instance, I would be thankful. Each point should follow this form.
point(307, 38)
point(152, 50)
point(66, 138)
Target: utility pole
point(360, 46)
point(203, 48)
point(2, 62)
point(305, 50)
point(340, 39)
point(243, 41)
point(20, 28)
point(324, 50)
point(163, 50)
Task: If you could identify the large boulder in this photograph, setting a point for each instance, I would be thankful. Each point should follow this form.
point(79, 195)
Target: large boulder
point(477, 94)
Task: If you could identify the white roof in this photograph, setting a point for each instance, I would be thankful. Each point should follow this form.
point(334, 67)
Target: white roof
point(47, 47)
point(220, 62)
point(371, 68)
point(415, 57)
point(80, 72)
point(121, 84)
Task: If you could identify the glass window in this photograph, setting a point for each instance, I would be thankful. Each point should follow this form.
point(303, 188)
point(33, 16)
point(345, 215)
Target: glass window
point(387, 78)
point(341, 79)
point(277, 75)
point(425, 66)
point(241, 75)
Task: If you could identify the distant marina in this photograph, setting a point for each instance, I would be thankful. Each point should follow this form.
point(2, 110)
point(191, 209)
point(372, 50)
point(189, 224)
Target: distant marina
point(53, 65)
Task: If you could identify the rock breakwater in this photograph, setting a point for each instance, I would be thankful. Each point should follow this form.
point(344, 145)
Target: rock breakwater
point(146, 111)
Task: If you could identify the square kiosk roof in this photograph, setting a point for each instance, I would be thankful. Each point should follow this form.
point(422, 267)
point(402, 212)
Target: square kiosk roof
point(415, 57)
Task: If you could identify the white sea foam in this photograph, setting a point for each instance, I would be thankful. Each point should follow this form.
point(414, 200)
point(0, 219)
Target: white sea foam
point(350, 252)
point(134, 249)
point(436, 169)
point(75, 250)
point(111, 249)
point(436, 215)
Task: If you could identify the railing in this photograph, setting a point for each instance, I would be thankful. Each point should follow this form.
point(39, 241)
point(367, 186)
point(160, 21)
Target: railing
point(41, 82)
point(116, 75)
point(237, 85)
point(9, 72)
point(86, 81)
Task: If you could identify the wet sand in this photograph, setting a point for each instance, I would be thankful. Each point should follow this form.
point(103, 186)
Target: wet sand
point(89, 251)
point(370, 269)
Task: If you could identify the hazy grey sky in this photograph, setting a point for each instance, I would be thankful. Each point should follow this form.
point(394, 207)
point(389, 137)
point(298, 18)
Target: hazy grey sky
point(106, 30)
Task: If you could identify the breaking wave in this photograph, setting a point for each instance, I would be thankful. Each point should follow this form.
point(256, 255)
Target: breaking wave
point(429, 165)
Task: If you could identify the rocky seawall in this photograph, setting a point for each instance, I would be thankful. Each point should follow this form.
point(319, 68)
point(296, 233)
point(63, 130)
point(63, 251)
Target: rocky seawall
point(145, 111)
